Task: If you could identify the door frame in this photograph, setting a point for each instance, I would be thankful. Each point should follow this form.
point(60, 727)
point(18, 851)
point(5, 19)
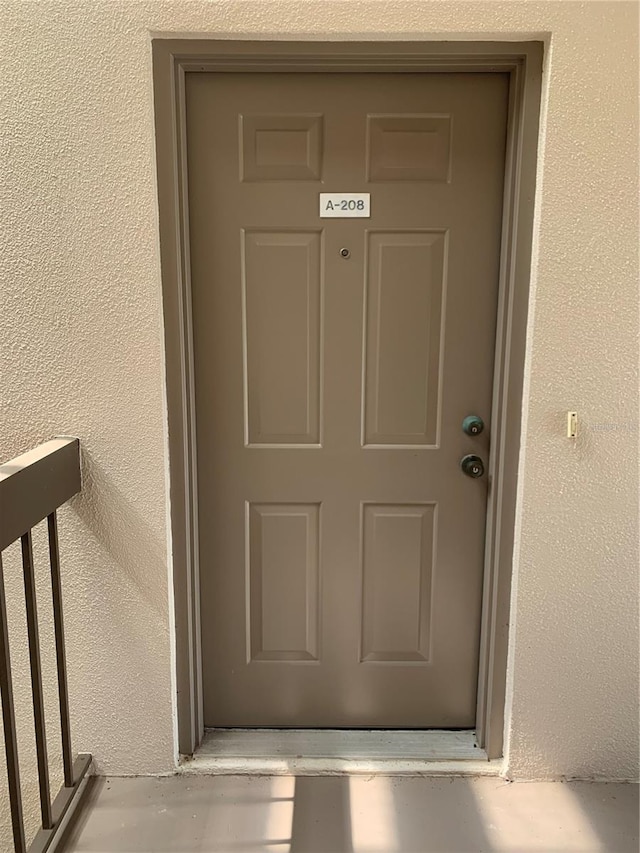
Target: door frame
point(523, 61)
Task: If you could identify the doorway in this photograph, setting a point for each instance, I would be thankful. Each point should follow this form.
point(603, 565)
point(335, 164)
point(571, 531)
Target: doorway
point(332, 366)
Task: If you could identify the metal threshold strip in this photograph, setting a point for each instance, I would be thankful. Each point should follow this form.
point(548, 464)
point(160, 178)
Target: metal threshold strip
point(329, 752)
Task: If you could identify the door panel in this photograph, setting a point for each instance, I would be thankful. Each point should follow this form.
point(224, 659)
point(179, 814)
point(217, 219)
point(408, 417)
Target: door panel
point(408, 147)
point(281, 147)
point(341, 547)
point(404, 290)
point(282, 335)
point(397, 562)
point(283, 561)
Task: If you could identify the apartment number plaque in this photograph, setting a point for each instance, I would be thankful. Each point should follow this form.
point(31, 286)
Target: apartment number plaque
point(345, 205)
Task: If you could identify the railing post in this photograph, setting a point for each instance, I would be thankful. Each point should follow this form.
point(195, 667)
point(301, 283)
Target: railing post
point(61, 659)
point(9, 723)
point(36, 679)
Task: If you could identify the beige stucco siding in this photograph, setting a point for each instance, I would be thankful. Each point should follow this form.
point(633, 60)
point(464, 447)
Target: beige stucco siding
point(81, 353)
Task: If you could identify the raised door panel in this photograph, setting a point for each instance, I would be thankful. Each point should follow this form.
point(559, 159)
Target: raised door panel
point(282, 337)
point(281, 147)
point(397, 565)
point(283, 564)
point(408, 147)
point(405, 283)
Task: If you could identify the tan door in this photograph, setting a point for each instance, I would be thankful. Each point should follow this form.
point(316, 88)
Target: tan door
point(341, 545)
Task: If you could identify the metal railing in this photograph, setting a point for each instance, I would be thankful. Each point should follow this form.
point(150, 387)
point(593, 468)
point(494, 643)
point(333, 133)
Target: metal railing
point(32, 487)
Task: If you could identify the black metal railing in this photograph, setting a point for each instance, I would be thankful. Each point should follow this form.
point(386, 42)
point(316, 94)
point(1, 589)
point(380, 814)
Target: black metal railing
point(32, 487)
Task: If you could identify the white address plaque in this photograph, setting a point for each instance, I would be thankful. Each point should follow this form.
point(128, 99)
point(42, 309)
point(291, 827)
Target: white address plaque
point(345, 205)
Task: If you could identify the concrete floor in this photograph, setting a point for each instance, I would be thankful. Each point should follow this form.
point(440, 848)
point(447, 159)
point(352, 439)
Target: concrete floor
point(353, 814)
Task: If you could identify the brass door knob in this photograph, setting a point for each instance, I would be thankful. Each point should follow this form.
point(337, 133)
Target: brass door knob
point(472, 466)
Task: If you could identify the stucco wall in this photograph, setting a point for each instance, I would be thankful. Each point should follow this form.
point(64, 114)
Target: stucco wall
point(81, 353)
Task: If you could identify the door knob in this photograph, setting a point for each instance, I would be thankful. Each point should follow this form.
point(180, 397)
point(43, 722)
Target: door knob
point(472, 466)
point(472, 425)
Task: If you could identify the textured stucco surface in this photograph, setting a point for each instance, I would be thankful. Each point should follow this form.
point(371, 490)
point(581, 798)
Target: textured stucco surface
point(81, 353)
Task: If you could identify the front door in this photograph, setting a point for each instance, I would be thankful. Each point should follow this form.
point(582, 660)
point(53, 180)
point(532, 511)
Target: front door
point(336, 358)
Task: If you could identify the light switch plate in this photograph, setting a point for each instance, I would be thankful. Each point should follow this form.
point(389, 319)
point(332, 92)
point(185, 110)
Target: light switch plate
point(572, 424)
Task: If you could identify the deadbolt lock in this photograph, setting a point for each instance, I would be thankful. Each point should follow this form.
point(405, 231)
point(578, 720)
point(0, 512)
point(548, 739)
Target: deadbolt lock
point(472, 466)
point(472, 425)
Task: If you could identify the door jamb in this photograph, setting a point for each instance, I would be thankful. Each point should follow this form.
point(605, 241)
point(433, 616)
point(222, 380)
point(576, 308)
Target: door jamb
point(172, 60)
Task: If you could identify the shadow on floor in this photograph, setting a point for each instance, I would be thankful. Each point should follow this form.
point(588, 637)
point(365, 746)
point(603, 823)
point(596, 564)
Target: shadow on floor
point(356, 814)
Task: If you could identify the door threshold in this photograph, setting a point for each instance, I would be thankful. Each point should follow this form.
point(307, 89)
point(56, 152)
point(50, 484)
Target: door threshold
point(335, 752)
